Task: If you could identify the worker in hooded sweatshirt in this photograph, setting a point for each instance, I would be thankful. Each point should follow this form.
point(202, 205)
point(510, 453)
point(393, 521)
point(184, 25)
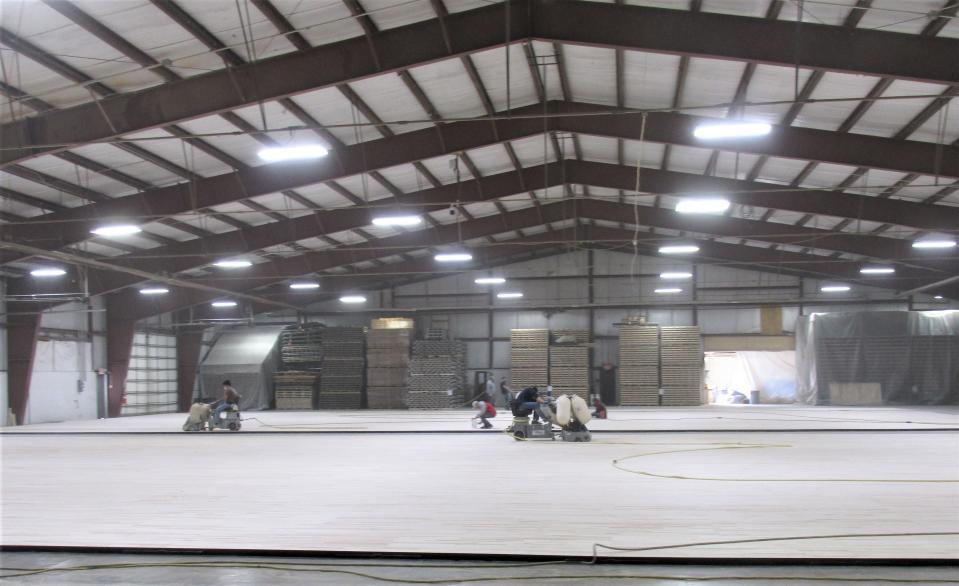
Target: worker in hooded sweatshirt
point(230, 400)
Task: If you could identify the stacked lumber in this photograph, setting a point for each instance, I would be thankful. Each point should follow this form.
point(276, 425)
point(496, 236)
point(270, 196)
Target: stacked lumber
point(681, 359)
point(437, 374)
point(341, 386)
point(638, 365)
point(569, 370)
point(529, 358)
point(387, 368)
point(294, 389)
point(301, 347)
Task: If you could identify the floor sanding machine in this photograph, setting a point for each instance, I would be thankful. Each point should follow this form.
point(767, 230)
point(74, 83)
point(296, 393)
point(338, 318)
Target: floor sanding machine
point(569, 412)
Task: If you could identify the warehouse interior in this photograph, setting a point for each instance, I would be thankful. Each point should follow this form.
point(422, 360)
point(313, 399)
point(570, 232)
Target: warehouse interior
point(448, 291)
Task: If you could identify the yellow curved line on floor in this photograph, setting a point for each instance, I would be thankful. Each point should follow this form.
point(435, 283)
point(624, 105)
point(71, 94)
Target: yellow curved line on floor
point(617, 464)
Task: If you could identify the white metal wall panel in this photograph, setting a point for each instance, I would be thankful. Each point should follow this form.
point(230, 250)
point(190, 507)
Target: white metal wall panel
point(152, 375)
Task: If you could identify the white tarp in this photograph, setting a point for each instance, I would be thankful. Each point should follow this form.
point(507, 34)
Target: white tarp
point(247, 358)
point(773, 374)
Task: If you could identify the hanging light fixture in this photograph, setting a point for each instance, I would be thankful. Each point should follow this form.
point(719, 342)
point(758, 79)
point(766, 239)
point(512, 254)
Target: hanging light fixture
point(731, 130)
point(679, 249)
point(292, 153)
point(398, 220)
point(705, 205)
point(509, 295)
point(353, 299)
point(226, 303)
point(934, 243)
point(48, 272)
point(834, 288)
point(233, 264)
point(877, 270)
point(304, 285)
point(113, 230)
point(489, 281)
point(669, 290)
point(154, 291)
point(675, 276)
point(457, 256)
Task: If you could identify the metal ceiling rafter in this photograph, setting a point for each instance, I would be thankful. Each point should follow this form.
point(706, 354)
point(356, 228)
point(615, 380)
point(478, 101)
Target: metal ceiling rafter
point(629, 27)
point(418, 145)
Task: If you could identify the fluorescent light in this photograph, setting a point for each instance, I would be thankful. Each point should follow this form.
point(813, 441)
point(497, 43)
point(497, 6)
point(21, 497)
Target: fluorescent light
point(732, 130)
point(489, 281)
point(154, 291)
point(232, 264)
point(304, 285)
point(877, 270)
point(702, 206)
point(675, 275)
point(116, 230)
point(669, 290)
point(834, 288)
point(931, 243)
point(511, 295)
point(678, 249)
point(291, 153)
point(397, 221)
point(50, 272)
point(224, 304)
point(453, 257)
point(353, 299)
point(937, 297)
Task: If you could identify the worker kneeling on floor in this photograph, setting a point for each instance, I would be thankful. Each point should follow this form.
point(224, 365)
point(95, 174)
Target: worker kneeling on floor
point(485, 410)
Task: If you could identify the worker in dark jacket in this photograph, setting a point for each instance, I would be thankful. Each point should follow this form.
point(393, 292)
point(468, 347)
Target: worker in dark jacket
point(529, 400)
point(230, 400)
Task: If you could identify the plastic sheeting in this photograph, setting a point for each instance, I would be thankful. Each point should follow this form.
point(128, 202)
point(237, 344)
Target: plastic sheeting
point(248, 358)
point(773, 374)
point(908, 357)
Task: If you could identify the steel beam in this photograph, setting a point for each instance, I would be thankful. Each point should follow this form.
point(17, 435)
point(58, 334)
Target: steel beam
point(189, 343)
point(698, 34)
point(119, 348)
point(22, 328)
point(800, 143)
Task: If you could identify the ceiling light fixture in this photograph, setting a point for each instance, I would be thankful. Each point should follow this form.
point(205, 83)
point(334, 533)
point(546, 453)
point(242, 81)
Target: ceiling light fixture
point(675, 275)
point(834, 288)
point(732, 130)
point(224, 304)
point(48, 272)
point(702, 206)
point(669, 290)
point(510, 295)
point(233, 264)
point(877, 270)
point(154, 291)
point(934, 243)
point(352, 299)
point(489, 281)
point(937, 297)
point(304, 285)
point(397, 221)
point(292, 153)
point(453, 257)
point(679, 249)
point(116, 230)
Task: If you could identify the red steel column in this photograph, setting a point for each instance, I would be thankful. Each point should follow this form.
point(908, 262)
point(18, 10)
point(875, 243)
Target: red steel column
point(120, 330)
point(189, 342)
point(22, 330)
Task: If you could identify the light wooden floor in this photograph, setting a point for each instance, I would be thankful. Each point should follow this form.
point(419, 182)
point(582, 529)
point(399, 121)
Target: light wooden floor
point(485, 493)
point(707, 418)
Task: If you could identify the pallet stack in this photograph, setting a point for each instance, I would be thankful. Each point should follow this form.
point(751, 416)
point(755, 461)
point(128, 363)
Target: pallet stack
point(529, 358)
point(681, 359)
point(301, 362)
point(638, 365)
point(437, 374)
point(341, 386)
point(387, 368)
point(569, 370)
point(295, 389)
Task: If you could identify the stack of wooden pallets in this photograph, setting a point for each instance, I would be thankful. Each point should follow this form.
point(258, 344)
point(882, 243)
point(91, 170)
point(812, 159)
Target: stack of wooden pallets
point(437, 374)
point(341, 386)
point(387, 368)
point(638, 365)
point(295, 389)
point(681, 359)
point(569, 370)
point(529, 358)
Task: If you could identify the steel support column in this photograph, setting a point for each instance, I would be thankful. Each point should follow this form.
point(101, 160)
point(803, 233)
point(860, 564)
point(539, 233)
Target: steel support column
point(22, 329)
point(119, 347)
point(189, 342)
